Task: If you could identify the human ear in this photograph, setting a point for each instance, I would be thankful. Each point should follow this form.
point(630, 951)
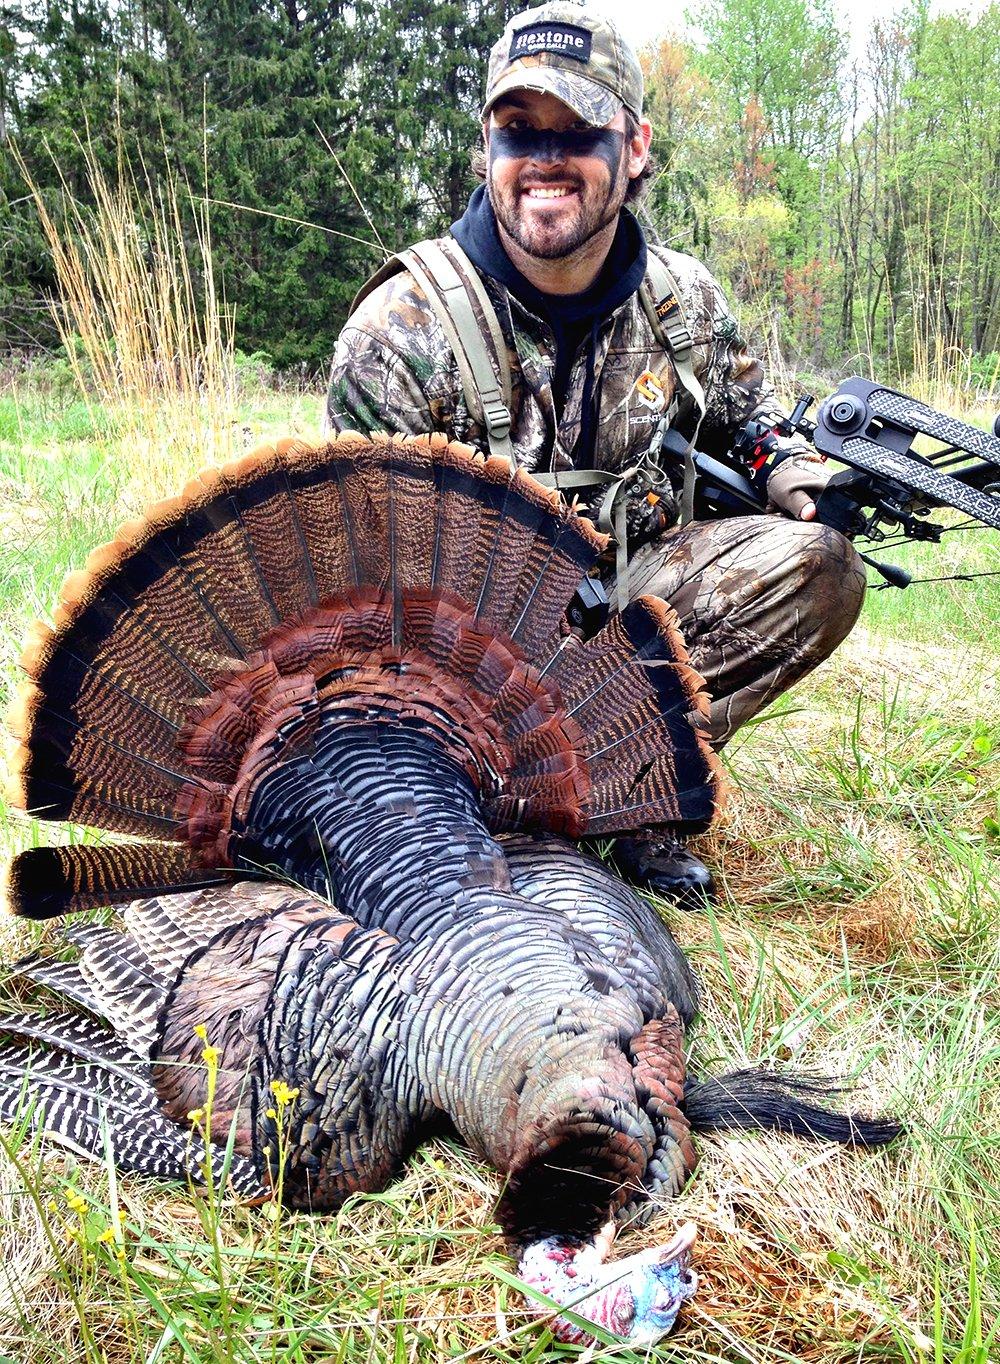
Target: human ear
point(638, 148)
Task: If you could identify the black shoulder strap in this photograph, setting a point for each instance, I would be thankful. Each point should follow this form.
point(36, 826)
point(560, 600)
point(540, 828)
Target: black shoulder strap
point(661, 300)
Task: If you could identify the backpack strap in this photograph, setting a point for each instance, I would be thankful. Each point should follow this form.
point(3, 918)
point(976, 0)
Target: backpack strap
point(460, 303)
point(661, 301)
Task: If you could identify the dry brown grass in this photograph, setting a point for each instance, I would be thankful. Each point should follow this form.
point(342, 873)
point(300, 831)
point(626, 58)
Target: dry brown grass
point(149, 340)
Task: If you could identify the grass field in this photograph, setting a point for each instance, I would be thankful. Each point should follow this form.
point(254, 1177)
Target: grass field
point(857, 937)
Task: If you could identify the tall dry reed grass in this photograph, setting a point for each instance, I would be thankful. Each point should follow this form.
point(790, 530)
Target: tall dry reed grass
point(138, 309)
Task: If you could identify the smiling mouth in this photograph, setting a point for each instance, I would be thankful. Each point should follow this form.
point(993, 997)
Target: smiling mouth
point(549, 192)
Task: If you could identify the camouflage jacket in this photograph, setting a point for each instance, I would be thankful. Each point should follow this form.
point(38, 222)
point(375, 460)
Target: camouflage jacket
point(393, 370)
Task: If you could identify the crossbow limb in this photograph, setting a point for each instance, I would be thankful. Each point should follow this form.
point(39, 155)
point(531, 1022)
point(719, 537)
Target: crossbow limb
point(888, 487)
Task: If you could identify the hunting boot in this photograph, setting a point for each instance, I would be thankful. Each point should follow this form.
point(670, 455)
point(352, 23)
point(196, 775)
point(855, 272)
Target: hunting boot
point(663, 865)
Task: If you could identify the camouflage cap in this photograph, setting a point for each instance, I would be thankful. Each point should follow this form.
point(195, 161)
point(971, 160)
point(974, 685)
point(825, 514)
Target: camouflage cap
point(568, 51)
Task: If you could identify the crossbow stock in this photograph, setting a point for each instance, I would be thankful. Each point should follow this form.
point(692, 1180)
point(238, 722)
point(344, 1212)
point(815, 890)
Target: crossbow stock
point(889, 491)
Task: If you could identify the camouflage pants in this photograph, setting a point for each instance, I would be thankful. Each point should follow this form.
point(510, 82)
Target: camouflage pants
point(762, 600)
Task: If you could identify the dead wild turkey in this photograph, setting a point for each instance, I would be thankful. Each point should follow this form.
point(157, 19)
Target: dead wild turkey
point(319, 684)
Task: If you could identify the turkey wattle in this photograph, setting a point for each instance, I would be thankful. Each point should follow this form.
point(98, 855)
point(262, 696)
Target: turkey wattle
point(342, 671)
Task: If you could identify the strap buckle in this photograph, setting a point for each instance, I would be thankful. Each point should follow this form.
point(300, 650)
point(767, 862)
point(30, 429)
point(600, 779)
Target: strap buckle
point(679, 339)
point(496, 414)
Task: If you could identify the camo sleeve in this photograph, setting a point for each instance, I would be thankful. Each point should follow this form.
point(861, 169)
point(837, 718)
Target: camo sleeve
point(392, 368)
point(736, 387)
point(373, 389)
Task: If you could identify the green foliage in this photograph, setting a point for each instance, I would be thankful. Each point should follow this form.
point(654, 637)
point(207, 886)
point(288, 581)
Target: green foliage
point(748, 239)
point(322, 133)
point(328, 133)
point(783, 57)
point(983, 372)
point(887, 170)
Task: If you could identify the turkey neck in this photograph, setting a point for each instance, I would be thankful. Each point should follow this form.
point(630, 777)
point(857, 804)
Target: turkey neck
point(510, 1020)
point(380, 820)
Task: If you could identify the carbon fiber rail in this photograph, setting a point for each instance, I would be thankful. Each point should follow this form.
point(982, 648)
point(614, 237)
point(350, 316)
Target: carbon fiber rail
point(872, 428)
point(888, 420)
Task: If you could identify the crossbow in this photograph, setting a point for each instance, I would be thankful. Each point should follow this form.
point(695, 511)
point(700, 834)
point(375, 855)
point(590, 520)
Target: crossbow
point(889, 492)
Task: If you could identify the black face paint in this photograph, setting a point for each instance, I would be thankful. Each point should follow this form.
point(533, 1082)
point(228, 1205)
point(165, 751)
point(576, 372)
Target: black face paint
point(548, 145)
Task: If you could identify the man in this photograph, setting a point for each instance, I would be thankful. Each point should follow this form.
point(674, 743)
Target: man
point(595, 361)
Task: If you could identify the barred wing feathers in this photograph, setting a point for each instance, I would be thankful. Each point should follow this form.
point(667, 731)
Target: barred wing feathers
point(504, 1019)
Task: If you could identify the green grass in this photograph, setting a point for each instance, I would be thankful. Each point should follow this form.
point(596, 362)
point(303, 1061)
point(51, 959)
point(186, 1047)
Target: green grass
point(857, 937)
point(951, 613)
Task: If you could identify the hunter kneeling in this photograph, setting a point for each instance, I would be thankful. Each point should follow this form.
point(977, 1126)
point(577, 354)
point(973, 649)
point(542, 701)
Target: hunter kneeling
point(546, 328)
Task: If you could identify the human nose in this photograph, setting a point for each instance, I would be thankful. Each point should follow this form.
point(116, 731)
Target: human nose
point(548, 149)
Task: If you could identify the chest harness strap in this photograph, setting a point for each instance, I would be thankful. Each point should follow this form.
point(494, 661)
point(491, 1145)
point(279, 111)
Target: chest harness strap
point(463, 308)
point(661, 303)
point(468, 319)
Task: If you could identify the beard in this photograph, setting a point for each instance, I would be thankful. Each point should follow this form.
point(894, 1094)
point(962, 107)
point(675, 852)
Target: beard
point(595, 209)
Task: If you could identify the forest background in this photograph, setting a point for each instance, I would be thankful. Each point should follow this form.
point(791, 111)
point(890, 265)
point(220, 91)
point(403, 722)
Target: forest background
point(846, 200)
point(186, 171)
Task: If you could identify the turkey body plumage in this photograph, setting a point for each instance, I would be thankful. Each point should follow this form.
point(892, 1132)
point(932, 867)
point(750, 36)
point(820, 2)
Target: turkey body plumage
point(331, 691)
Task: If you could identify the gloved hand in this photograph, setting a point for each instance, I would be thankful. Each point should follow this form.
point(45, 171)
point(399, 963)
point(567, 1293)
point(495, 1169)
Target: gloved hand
point(796, 483)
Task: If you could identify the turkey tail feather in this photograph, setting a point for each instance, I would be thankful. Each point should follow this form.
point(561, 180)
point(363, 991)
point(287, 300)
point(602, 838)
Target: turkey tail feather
point(44, 883)
point(643, 710)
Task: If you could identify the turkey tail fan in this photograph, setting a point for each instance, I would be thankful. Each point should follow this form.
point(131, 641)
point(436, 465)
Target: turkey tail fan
point(756, 1100)
point(413, 580)
point(639, 702)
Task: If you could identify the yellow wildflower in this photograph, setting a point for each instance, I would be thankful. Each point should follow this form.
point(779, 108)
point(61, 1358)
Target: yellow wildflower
point(210, 1055)
point(201, 1032)
point(283, 1093)
point(196, 1114)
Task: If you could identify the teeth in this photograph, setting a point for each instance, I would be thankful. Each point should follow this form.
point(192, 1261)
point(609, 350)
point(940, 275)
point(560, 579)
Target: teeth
point(548, 193)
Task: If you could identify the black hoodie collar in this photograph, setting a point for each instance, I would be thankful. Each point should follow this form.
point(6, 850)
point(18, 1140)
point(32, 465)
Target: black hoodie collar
point(622, 272)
